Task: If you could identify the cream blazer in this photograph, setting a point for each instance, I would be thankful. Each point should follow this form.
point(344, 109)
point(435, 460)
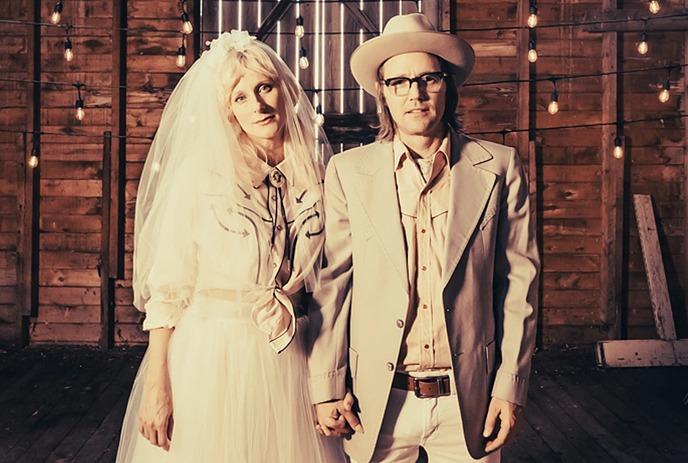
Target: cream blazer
point(489, 277)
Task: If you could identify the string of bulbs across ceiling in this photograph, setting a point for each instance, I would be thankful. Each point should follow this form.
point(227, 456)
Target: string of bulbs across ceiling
point(186, 28)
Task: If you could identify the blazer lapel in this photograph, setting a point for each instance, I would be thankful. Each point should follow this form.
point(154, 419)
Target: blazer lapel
point(471, 187)
point(378, 194)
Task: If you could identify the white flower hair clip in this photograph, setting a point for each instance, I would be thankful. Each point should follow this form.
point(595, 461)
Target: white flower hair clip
point(237, 40)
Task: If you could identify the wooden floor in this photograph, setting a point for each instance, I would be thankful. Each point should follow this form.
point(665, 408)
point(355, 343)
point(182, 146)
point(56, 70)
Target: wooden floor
point(66, 404)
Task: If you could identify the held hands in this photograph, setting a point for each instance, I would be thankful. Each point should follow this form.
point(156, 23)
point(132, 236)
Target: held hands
point(155, 413)
point(337, 417)
point(507, 413)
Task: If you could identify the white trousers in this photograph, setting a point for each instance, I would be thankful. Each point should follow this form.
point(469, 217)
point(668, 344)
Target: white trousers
point(433, 423)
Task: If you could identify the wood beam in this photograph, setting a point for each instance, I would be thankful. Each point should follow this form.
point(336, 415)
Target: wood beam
point(636, 22)
point(612, 184)
point(29, 197)
point(107, 322)
point(119, 129)
point(685, 180)
point(276, 13)
point(526, 143)
point(362, 18)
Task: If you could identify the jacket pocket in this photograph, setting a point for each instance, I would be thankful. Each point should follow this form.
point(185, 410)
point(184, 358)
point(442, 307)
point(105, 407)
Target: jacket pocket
point(353, 362)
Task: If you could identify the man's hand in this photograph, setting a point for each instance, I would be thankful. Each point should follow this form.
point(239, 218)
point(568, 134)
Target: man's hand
point(346, 408)
point(330, 421)
point(506, 412)
point(337, 417)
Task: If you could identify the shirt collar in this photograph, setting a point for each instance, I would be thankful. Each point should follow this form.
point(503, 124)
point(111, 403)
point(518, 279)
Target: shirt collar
point(259, 170)
point(401, 152)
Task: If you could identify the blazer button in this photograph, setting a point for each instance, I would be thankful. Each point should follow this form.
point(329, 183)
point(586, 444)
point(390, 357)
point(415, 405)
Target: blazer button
point(400, 323)
point(390, 366)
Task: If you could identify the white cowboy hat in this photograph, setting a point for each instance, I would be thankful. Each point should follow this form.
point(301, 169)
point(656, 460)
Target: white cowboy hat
point(408, 33)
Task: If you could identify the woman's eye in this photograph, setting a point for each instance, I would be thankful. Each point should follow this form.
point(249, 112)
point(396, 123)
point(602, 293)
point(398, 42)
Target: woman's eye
point(239, 98)
point(265, 88)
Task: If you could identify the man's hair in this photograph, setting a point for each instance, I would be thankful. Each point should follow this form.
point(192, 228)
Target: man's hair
point(386, 123)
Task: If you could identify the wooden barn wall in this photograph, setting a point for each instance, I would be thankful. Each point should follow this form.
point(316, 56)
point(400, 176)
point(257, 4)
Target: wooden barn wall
point(14, 63)
point(566, 166)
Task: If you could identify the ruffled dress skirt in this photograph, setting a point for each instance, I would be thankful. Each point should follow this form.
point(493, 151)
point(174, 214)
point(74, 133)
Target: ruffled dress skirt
point(234, 398)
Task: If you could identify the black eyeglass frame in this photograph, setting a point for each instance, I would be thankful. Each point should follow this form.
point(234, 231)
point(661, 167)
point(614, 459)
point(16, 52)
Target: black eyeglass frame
point(418, 80)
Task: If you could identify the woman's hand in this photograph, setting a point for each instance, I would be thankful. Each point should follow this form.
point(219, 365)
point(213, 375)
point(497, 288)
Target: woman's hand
point(155, 413)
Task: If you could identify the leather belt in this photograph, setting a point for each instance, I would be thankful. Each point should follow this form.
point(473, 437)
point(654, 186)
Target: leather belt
point(429, 387)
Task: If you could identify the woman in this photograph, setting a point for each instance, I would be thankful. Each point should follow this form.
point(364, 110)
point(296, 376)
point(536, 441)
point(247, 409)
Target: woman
point(228, 237)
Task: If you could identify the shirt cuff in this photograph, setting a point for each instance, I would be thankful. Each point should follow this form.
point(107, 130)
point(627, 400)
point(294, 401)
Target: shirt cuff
point(330, 386)
point(161, 315)
point(511, 388)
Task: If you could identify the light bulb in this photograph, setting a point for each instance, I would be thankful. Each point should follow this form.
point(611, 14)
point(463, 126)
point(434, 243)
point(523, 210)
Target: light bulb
point(187, 27)
point(618, 152)
point(643, 46)
point(553, 107)
point(299, 31)
point(664, 95)
point(69, 54)
point(181, 57)
point(33, 161)
point(303, 62)
point(319, 119)
point(80, 113)
point(532, 20)
point(532, 55)
point(654, 7)
point(55, 17)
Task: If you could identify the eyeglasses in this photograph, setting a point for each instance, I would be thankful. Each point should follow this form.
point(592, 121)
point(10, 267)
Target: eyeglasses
point(431, 82)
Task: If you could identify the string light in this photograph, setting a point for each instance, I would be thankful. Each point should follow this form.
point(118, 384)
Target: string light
point(33, 159)
point(553, 106)
point(654, 7)
point(303, 59)
point(187, 27)
point(532, 52)
point(532, 17)
point(618, 152)
point(68, 51)
point(56, 15)
point(79, 105)
point(664, 94)
point(181, 54)
point(299, 31)
point(643, 46)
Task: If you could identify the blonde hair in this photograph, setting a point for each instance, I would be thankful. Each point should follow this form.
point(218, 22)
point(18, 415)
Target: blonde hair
point(386, 126)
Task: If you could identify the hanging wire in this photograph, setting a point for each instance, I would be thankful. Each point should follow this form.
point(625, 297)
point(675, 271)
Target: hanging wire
point(558, 77)
point(580, 23)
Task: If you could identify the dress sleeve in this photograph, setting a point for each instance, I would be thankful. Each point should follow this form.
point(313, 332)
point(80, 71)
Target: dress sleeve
point(172, 276)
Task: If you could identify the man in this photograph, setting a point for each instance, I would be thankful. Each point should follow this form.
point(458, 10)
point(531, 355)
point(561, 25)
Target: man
point(426, 309)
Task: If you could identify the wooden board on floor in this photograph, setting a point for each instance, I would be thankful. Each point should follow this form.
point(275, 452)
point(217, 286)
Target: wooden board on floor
point(654, 267)
point(642, 353)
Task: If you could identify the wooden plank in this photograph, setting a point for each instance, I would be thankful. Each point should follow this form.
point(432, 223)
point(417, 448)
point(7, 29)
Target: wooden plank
point(107, 323)
point(676, 23)
point(611, 252)
point(115, 236)
point(28, 200)
point(654, 267)
point(685, 169)
point(277, 12)
point(642, 353)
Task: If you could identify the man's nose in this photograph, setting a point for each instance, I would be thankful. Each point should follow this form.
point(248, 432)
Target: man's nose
point(417, 90)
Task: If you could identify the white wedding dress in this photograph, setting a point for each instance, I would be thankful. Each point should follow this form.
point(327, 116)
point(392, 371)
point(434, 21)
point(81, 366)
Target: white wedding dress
point(236, 396)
